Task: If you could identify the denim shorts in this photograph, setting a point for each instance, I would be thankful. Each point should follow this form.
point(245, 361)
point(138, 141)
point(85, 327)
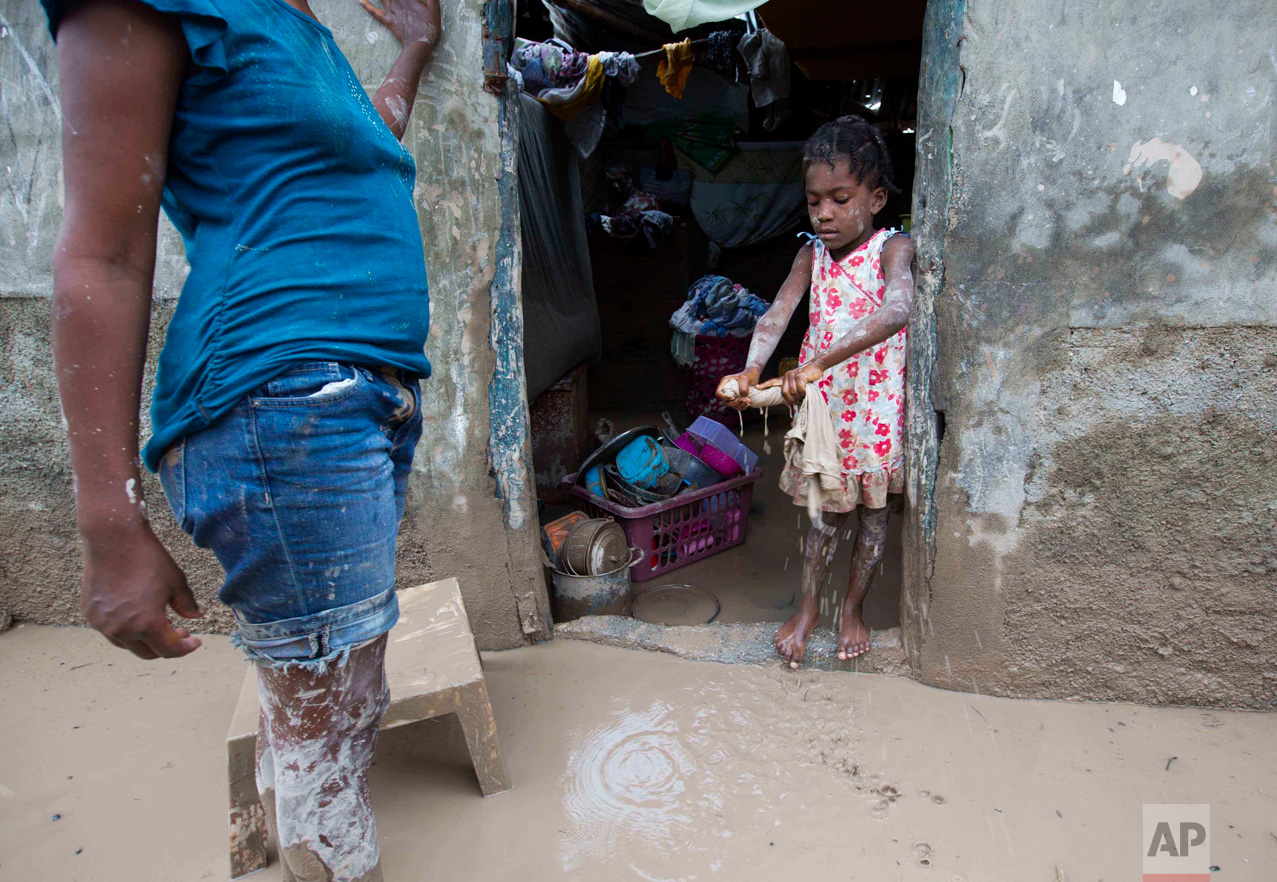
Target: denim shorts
point(299, 491)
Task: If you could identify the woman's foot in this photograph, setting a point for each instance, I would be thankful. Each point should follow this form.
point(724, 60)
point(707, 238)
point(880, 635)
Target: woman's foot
point(853, 634)
point(791, 639)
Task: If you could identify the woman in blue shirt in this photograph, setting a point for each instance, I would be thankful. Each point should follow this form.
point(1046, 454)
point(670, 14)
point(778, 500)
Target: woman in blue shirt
point(286, 408)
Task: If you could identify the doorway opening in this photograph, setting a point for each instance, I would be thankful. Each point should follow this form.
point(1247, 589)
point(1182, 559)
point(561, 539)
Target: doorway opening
point(728, 175)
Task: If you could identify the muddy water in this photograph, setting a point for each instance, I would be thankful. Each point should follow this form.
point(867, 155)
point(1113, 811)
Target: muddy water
point(630, 765)
point(676, 605)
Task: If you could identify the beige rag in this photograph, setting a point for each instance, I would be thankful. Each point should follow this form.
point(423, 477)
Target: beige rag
point(811, 445)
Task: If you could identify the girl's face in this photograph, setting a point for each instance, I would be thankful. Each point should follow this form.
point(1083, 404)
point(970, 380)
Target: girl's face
point(841, 206)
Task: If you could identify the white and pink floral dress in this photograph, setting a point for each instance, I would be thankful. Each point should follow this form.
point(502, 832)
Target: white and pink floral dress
point(866, 393)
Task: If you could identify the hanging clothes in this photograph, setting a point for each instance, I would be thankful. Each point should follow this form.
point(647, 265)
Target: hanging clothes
point(567, 81)
point(720, 57)
point(683, 14)
point(767, 61)
point(571, 84)
point(675, 67)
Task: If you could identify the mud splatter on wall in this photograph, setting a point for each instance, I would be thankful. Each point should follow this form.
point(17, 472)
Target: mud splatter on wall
point(456, 523)
point(1105, 359)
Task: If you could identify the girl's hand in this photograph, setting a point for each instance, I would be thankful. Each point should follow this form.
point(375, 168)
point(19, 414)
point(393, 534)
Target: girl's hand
point(744, 382)
point(411, 21)
point(793, 386)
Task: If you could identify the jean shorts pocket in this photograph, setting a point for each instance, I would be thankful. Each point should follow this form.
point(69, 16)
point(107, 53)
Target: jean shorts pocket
point(309, 384)
point(173, 480)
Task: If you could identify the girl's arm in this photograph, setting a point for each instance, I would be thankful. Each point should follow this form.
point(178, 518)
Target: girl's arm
point(769, 329)
point(416, 25)
point(879, 325)
point(117, 111)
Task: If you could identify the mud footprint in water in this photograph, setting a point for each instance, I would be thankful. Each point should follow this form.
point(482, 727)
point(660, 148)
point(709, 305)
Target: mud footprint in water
point(882, 797)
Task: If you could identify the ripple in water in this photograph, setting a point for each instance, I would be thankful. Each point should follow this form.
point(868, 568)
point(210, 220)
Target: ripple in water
point(632, 779)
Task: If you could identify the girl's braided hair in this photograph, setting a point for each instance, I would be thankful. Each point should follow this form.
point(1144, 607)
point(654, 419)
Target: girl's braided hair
point(861, 143)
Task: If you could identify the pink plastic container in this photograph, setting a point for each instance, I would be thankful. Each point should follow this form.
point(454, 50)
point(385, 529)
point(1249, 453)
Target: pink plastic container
point(681, 530)
point(720, 462)
point(688, 444)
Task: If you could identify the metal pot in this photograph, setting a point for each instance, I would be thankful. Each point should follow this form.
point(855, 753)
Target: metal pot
point(592, 547)
point(607, 594)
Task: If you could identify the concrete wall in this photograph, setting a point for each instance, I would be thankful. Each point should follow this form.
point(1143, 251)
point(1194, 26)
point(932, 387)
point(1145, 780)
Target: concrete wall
point(1104, 352)
point(457, 522)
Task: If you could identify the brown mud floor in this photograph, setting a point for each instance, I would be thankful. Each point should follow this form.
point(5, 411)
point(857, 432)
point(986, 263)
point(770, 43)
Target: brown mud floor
point(632, 765)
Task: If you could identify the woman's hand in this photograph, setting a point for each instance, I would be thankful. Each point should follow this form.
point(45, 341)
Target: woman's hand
point(415, 24)
point(129, 583)
point(793, 386)
point(744, 382)
point(411, 21)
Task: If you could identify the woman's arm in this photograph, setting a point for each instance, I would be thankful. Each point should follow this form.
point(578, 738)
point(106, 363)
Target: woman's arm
point(117, 111)
point(416, 25)
point(770, 328)
point(879, 325)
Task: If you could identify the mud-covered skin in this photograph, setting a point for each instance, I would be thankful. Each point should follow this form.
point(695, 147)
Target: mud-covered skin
point(818, 554)
point(853, 633)
point(314, 751)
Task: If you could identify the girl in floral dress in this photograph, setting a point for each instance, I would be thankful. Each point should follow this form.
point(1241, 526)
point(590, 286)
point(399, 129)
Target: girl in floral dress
point(861, 287)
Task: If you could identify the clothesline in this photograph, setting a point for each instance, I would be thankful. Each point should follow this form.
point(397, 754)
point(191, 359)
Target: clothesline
point(660, 53)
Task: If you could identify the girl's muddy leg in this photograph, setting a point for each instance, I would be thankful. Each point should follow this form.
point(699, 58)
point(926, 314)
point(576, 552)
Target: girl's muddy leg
point(853, 634)
point(818, 554)
point(320, 731)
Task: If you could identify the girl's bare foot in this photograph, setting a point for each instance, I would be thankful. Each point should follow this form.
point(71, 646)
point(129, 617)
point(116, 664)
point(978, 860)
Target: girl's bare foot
point(853, 634)
point(791, 639)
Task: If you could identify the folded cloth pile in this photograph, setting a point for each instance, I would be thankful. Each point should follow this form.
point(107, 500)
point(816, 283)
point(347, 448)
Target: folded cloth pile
point(715, 307)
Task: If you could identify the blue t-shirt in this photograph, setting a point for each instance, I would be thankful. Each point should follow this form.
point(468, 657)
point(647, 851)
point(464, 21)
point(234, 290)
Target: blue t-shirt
point(295, 203)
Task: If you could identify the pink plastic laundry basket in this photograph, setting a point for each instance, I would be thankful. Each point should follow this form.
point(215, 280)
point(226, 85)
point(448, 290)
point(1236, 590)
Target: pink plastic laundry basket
point(716, 357)
point(681, 530)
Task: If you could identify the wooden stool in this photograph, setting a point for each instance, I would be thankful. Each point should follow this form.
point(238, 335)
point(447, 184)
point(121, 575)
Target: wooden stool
point(433, 669)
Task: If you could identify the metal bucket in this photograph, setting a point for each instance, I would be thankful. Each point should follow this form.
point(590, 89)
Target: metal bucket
point(605, 595)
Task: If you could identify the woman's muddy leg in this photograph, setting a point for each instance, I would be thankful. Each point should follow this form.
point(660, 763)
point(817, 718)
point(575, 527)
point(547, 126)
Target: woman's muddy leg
point(853, 634)
point(818, 554)
point(265, 768)
point(321, 728)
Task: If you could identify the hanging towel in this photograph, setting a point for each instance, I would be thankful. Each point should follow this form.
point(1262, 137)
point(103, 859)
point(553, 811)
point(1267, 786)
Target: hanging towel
point(675, 67)
point(683, 14)
point(767, 61)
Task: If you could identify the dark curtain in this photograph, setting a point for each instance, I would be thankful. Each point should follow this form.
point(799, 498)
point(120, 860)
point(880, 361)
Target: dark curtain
point(560, 316)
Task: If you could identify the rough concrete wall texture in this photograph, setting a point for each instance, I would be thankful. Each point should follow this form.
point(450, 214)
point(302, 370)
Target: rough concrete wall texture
point(1106, 357)
point(455, 523)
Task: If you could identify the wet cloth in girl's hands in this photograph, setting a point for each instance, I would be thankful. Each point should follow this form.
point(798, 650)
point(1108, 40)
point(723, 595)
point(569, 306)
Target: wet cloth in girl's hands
point(812, 450)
